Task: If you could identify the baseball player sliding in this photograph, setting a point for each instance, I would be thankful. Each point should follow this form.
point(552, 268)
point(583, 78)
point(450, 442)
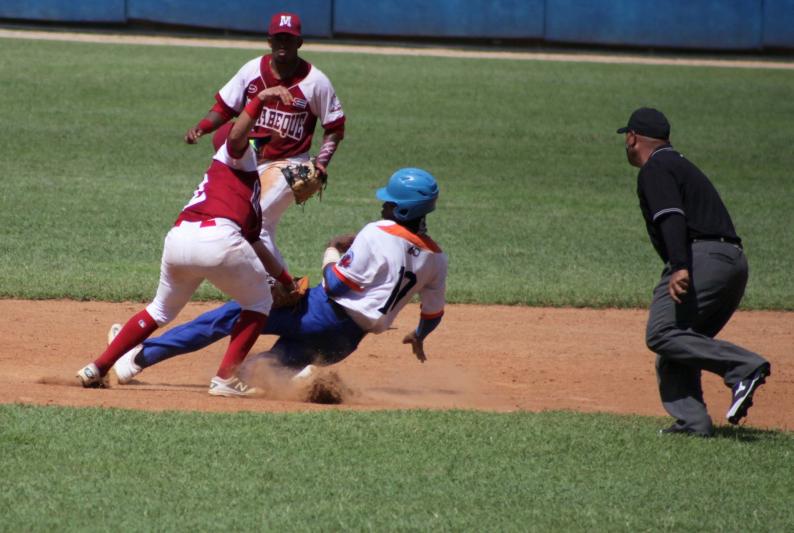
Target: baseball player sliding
point(283, 132)
point(215, 237)
point(365, 285)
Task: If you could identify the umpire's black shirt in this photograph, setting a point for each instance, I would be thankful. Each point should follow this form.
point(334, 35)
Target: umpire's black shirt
point(669, 185)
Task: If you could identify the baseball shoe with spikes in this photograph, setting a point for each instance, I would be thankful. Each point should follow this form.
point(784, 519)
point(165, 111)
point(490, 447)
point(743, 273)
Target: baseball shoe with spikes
point(90, 378)
point(231, 387)
point(743, 392)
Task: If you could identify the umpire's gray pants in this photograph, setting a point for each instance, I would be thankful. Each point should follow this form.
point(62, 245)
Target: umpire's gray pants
point(682, 334)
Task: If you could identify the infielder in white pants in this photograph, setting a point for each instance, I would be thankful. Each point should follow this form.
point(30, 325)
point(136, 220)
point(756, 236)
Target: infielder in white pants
point(215, 237)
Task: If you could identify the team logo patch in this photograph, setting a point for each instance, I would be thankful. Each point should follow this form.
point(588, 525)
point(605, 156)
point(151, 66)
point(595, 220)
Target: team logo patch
point(252, 88)
point(300, 103)
point(346, 259)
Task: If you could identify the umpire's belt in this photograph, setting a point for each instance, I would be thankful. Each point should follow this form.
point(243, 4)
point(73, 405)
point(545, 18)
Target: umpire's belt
point(728, 240)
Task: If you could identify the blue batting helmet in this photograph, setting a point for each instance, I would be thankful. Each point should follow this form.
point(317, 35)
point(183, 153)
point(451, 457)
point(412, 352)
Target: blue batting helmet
point(413, 190)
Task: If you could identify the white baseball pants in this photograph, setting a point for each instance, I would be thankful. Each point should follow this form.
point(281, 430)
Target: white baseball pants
point(195, 251)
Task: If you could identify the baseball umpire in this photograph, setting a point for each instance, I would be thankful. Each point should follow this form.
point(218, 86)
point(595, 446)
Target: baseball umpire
point(702, 283)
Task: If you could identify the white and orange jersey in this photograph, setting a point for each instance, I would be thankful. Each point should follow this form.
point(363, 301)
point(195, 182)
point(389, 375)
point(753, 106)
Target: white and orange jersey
point(290, 127)
point(385, 267)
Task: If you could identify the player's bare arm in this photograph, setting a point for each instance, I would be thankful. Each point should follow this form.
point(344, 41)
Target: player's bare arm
point(209, 123)
point(331, 140)
point(237, 141)
point(273, 265)
point(277, 93)
point(217, 116)
point(342, 242)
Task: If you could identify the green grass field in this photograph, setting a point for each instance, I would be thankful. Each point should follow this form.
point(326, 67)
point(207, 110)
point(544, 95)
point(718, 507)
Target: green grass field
point(538, 203)
point(538, 207)
point(103, 469)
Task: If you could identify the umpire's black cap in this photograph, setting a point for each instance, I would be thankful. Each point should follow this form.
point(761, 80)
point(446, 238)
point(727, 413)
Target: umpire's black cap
point(648, 122)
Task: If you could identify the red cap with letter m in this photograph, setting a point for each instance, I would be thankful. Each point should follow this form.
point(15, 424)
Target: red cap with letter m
point(285, 23)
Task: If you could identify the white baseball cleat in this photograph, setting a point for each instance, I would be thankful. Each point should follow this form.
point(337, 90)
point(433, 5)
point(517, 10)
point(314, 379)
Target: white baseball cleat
point(305, 375)
point(113, 331)
point(91, 379)
point(232, 387)
point(125, 368)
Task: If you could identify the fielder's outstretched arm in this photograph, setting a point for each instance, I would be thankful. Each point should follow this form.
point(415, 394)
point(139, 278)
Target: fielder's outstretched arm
point(215, 118)
point(273, 265)
point(221, 114)
point(238, 136)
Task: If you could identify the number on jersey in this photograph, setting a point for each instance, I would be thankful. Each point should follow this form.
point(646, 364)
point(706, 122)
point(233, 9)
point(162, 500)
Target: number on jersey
point(400, 290)
point(199, 196)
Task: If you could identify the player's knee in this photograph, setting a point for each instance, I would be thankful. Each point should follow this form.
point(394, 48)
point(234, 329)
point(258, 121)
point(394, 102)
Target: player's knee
point(161, 314)
point(259, 303)
point(656, 338)
point(262, 308)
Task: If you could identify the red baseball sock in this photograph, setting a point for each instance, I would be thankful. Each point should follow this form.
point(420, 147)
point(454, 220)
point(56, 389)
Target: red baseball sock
point(135, 331)
point(244, 335)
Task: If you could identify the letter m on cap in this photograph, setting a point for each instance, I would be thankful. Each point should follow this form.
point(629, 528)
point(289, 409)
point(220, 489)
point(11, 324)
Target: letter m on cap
point(286, 20)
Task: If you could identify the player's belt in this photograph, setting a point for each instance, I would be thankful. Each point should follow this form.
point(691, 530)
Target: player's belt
point(727, 240)
point(201, 223)
point(206, 223)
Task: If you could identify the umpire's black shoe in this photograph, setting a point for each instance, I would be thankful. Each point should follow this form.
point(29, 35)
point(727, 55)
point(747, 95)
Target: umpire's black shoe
point(743, 394)
point(675, 429)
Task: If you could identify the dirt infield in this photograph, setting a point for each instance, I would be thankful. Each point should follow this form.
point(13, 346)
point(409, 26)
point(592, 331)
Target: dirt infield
point(492, 358)
point(486, 358)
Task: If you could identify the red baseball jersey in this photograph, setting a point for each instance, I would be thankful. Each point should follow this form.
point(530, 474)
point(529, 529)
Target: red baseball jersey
point(230, 190)
point(291, 127)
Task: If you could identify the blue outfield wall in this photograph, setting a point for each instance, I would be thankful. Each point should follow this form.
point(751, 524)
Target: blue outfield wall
point(508, 19)
point(699, 24)
point(715, 24)
point(779, 23)
point(97, 11)
point(235, 15)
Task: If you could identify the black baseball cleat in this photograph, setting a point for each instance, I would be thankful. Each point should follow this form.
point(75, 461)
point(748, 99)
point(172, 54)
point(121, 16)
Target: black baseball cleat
point(678, 430)
point(743, 394)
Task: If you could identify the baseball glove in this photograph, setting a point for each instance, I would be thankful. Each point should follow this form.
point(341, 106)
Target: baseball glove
point(305, 180)
point(283, 297)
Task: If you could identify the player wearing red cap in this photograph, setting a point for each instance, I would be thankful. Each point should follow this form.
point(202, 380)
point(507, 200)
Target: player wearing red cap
point(282, 133)
point(215, 237)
